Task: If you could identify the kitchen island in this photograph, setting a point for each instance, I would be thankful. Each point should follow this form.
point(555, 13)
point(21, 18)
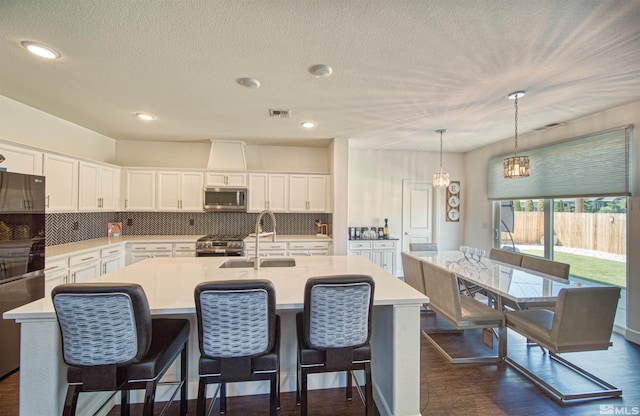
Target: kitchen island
point(169, 284)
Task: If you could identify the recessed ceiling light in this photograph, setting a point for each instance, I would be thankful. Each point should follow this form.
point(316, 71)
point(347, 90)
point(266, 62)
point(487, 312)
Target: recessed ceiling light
point(308, 124)
point(145, 116)
point(321, 70)
point(41, 50)
point(251, 83)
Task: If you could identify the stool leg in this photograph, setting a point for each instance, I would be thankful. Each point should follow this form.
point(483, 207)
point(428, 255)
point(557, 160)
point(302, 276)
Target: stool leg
point(202, 397)
point(124, 403)
point(183, 378)
point(223, 398)
point(149, 398)
point(349, 385)
point(298, 385)
point(370, 405)
point(273, 395)
point(303, 392)
point(71, 401)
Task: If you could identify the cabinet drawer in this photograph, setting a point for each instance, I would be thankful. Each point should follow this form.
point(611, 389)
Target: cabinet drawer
point(84, 258)
point(110, 252)
point(384, 244)
point(359, 245)
point(309, 245)
point(266, 246)
point(151, 247)
point(56, 265)
point(184, 247)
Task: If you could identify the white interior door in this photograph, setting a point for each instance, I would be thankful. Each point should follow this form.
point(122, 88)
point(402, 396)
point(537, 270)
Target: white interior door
point(417, 207)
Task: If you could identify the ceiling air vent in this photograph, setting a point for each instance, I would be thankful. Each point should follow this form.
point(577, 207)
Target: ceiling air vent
point(280, 113)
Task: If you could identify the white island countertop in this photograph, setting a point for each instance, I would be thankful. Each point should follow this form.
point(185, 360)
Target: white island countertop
point(169, 282)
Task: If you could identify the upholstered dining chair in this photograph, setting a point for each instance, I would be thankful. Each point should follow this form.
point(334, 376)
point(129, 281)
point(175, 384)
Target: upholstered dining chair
point(413, 272)
point(552, 267)
point(582, 321)
point(110, 342)
point(506, 256)
point(461, 311)
point(333, 332)
point(239, 338)
point(423, 246)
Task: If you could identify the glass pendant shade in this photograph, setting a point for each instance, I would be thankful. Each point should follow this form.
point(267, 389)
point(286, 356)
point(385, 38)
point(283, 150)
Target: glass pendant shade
point(441, 179)
point(516, 167)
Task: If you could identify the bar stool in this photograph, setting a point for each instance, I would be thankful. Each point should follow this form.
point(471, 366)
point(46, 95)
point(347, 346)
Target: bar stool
point(334, 331)
point(239, 338)
point(111, 343)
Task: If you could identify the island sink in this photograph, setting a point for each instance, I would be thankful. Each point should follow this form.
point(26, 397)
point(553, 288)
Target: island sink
point(236, 263)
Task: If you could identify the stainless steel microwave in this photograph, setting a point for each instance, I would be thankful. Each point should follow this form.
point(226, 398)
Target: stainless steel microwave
point(225, 199)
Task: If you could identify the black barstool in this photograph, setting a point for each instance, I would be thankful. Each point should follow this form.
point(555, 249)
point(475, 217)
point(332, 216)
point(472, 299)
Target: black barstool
point(239, 337)
point(111, 343)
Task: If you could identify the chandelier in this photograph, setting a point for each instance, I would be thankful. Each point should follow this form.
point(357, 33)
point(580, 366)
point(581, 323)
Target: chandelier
point(516, 166)
point(441, 179)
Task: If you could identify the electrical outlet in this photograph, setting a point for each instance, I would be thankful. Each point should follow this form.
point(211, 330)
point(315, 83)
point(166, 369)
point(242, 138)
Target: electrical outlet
point(191, 221)
point(129, 221)
point(75, 225)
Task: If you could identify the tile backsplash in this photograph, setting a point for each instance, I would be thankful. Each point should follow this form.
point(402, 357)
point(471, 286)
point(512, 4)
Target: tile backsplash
point(71, 227)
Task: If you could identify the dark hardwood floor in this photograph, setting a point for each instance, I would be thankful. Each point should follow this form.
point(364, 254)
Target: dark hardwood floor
point(446, 389)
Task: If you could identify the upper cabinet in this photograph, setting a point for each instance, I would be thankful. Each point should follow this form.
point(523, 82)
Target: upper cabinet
point(179, 191)
point(140, 190)
point(99, 187)
point(21, 160)
point(268, 191)
point(308, 193)
point(61, 175)
point(230, 179)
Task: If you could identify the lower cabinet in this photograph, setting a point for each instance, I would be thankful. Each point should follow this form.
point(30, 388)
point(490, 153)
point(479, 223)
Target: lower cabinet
point(111, 260)
point(309, 248)
point(381, 252)
point(56, 272)
point(139, 251)
point(291, 248)
point(184, 249)
point(267, 249)
point(84, 266)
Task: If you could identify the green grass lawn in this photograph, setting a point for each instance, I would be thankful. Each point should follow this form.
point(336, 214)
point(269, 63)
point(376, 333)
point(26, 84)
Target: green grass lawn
point(591, 268)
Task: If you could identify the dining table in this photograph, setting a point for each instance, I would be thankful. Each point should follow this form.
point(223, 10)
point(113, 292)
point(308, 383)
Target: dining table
point(505, 284)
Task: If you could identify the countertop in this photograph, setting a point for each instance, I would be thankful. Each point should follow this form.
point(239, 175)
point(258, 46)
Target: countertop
point(169, 282)
point(52, 252)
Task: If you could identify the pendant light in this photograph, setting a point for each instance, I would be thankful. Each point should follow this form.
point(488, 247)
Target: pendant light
point(516, 166)
point(441, 179)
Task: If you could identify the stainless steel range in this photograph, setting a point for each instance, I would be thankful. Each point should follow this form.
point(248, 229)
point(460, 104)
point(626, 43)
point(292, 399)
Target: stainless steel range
point(220, 245)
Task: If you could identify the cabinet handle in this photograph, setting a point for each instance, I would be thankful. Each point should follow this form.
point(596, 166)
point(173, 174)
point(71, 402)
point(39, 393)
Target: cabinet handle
point(86, 258)
point(73, 277)
point(104, 269)
point(126, 201)
point(47, 204)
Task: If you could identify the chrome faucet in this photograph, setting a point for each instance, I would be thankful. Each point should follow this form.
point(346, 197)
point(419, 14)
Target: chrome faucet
point(256, 265)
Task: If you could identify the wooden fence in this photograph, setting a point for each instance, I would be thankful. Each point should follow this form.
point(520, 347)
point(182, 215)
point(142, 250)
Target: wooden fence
point(591, 231)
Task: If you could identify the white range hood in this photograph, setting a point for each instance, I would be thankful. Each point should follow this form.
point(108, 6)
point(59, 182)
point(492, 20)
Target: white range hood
point(227, 155)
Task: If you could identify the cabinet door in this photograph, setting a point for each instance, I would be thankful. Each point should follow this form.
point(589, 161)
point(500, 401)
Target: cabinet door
point(89, 188)
point(21, 160)
point(109, 184)
point(52, 280)
point(168, 191)
point(278, 200)
point(84, 272)
point(61, 183)
point(317, 193)
point(298, 193)
point(140, 190)
point(191, 191)
point(110, 264)
point(216, 179)
point(258, 188)
point(237, 180)
point(231, 179)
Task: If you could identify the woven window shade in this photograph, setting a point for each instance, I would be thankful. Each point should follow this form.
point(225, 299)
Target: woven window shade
point(594, 165)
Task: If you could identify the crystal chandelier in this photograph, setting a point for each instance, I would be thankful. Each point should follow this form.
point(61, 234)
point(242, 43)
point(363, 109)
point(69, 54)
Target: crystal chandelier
point(516, 166)
point(441, 179)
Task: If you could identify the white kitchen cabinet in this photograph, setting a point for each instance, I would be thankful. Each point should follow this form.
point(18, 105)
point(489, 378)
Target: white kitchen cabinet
point(84, 266)
point(308, 248)
point(267, 248)
point(99, 187)
point(61, 183)
point(230, 179)
point(184, 249)
point(21, 160)
point(111, 259)
point(268, 191)
point(381, 252)
point(179, 191)
point(55, 273)
point(140, 251)
point(308, 193)
point(140, 190)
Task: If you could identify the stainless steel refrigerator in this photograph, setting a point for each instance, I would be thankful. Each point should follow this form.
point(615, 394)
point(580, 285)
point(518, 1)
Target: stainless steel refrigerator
point(22, 243)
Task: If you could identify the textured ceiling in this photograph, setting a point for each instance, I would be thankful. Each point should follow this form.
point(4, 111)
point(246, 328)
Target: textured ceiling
point(402, 69)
